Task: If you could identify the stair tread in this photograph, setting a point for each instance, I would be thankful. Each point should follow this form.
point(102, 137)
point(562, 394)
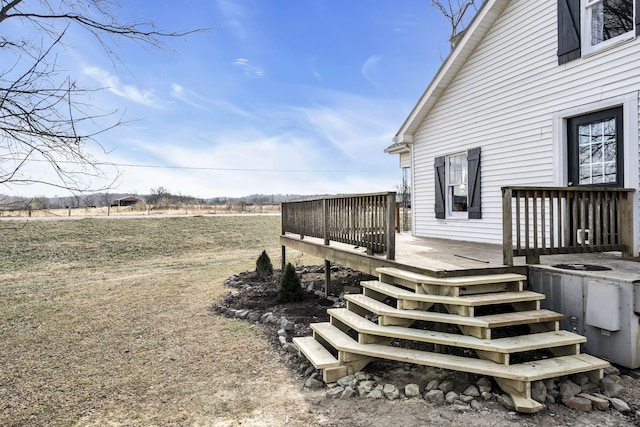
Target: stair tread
point(500, 345)
point(451, 281)
point(529, 371)
point(465, 300)
point(489, 321)
point(319, 356)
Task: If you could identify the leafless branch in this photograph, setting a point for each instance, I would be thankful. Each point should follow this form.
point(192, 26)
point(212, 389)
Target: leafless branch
point(44, 115)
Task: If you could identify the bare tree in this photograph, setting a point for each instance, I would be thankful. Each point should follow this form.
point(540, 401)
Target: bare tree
point(45, 116)
point(457, 13)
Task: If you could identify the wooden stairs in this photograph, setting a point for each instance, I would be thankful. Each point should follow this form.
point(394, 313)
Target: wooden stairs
point(488, 325)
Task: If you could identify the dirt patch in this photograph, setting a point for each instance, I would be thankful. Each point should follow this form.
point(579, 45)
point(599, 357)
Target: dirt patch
point(260, 295)
point(255, 294)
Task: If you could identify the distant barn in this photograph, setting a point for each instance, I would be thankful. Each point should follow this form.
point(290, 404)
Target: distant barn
point(125, 201)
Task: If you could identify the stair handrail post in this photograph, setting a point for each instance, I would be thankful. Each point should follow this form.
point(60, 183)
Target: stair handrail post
point(507, 226)
point(325, 220)
point(391, 226)
point(626, 222)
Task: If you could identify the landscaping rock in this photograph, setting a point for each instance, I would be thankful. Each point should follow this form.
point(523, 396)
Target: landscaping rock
point(412, 390)
point(376, 394)
point(460, 407)
point(365, 387)
point(484, 385)
point(347, 381)
point(475, 405)
point(597, 402)
point(432, 385)
point(391, 392)
point(446, 386)
point(287, 325)
point(471, 391)
point(348, 392)
point(538, 391)
point(620, 405)
point(335, 392)
point(506, 401)
point(435, 396)
point(550, 384)
point(451, 397)
point(465, 398)
point(580, 378)
point(313, 383)
point(577, 403)
point(253, 317)
point(568, 388)
point(611, 370)
point(610, 387)
point(266, 317)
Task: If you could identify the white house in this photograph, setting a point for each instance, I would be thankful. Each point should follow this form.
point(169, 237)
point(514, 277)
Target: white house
point(538, 93)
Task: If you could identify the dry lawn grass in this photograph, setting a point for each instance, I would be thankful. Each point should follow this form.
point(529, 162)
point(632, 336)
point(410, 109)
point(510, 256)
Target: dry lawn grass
point(107, 322)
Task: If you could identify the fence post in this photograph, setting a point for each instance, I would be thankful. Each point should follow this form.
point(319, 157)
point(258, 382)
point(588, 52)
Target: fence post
point(626, 223)
point(325, 221)
point(507, 226)
point(391, 226)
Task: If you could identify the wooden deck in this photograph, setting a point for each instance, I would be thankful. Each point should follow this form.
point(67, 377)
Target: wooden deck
point(445, 258)
point(433, 257)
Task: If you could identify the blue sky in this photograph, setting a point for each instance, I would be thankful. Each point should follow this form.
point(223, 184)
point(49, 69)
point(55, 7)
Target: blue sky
point(280, 96)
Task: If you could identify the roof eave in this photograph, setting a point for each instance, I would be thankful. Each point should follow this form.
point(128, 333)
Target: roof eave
point(473, 35)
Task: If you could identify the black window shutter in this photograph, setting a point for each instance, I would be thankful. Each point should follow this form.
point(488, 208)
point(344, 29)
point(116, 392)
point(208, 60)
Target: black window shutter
point(473, 164)
point(637, 17)
point(569, 30)
point(440, 188)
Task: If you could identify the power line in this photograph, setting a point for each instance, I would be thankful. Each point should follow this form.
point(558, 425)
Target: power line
point(134, 165)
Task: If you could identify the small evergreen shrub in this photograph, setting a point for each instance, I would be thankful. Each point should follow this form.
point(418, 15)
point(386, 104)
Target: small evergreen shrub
point(290, 289)
point(264, 268)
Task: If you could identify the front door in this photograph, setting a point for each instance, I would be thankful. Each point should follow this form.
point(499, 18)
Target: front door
point(595, 149)
point(595, 159)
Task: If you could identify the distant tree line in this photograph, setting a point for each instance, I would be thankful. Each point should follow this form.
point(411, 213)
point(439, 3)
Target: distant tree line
point(160, 198)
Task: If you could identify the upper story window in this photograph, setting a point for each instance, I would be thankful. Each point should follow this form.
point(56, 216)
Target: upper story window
point(605, 23)
point(589, 26)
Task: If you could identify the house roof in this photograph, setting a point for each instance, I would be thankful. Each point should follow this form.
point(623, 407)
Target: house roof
point(473, 35)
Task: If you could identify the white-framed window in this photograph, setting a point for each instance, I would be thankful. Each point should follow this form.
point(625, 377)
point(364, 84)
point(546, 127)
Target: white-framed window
point(457, 189)
point(606, 23)
point(457, 185)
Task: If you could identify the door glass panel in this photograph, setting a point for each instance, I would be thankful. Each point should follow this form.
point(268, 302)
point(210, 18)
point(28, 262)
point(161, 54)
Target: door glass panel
point(597, 152)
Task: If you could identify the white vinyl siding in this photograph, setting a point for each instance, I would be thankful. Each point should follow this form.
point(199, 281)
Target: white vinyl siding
point(503, 100)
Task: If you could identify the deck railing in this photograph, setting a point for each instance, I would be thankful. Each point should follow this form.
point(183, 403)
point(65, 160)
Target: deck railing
point(560, 220)
point(365, 220)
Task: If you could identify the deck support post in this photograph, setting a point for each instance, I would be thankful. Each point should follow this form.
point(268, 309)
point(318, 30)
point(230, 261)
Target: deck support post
point(327, 277)
point(284, 257)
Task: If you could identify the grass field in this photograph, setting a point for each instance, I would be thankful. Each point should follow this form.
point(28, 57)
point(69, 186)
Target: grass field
point(108, 322)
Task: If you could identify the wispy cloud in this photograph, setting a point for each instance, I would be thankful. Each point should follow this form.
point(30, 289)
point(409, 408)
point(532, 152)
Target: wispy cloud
point(368, 68)
point(248, 69)
point(235, 17)
point(198, 101)
point(112, 84)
